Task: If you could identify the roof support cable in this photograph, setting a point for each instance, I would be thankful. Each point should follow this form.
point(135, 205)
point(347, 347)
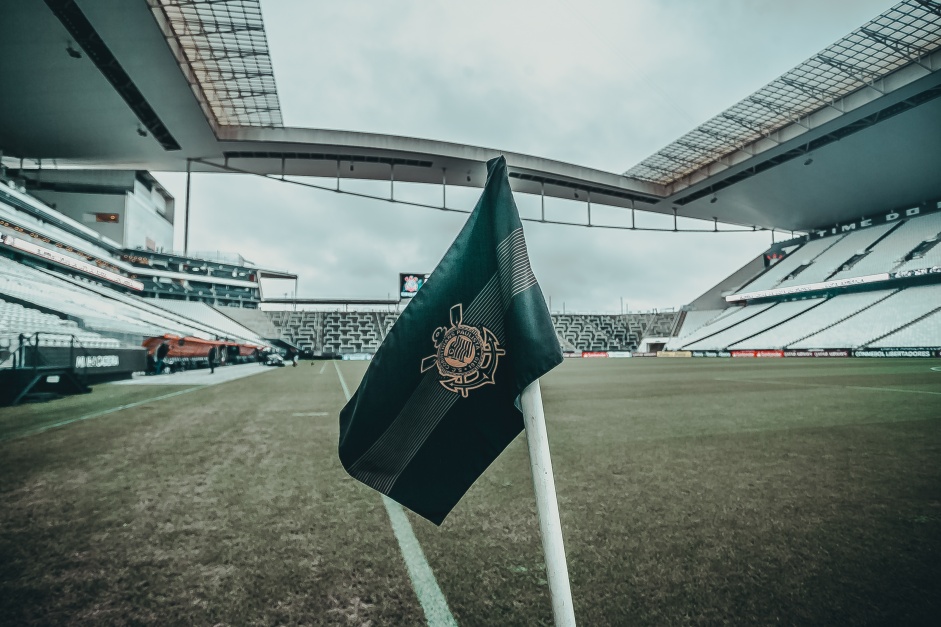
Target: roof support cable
point(616, 227)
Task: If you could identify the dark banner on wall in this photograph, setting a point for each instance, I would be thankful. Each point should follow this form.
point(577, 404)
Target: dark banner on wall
point(898, 352)
point(91, 361)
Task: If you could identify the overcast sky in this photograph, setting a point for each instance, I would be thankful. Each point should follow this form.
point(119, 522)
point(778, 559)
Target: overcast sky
point(596, 83)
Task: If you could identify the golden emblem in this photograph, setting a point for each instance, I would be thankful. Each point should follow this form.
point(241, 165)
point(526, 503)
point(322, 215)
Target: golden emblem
point(466, 356)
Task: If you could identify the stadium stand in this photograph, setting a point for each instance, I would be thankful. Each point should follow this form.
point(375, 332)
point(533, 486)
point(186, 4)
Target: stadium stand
point(908, 244)
point(696, 319)
point(920, 333)
point(17, 320)
point(833, 258)
point(769, 318)
point(889, 253)
point(210, 318)
point(101, 309)
point(254, 319)
point(363, 331)
point(803, 256)
point(731, 317)
point(881, 319)
point(821, 316)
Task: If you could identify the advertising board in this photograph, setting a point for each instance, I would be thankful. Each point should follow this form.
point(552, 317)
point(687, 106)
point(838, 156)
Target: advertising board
point(592, 354)
point(898, 352)
point(818, 353)
point(769, 353)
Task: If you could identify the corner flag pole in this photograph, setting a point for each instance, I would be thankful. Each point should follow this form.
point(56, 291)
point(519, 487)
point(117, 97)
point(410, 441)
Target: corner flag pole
point(550, 525)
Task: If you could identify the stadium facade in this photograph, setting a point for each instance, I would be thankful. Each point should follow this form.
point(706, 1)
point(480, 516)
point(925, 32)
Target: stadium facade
point(87, 259)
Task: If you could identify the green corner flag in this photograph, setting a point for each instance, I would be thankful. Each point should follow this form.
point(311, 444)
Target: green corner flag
point(438, 402)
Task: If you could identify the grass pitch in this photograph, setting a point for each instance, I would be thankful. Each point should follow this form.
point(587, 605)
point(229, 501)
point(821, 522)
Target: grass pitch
point(691, 492)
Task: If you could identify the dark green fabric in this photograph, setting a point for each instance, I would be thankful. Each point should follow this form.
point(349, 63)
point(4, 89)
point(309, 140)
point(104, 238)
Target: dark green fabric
point(459, 445)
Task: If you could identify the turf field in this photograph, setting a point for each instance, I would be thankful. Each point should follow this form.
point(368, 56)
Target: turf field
point(691, 491)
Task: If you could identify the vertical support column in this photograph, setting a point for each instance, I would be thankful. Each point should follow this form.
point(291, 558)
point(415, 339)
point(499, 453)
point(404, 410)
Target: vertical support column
point(186, 218)
point(392, 181)
point(589, 207)
point(444, 188)
point(542, 196)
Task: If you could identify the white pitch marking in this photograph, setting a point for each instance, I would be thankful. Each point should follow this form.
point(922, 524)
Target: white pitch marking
point(322, 368)
point(309, 413)
point(936, 368)
point(828, 385)
point(423, 579)
point(106, 412)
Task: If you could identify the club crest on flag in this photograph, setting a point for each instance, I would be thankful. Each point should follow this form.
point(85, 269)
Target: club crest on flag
point(466, 357)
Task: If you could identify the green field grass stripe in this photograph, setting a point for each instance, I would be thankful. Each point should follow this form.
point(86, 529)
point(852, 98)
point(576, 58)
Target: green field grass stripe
point(423, 579)
point(829, 385)
point(105, 412)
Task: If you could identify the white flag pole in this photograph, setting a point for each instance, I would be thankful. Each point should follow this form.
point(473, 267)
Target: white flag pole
point(550, 525)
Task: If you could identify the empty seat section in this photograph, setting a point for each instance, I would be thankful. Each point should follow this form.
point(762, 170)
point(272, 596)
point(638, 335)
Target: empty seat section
point(735, 316)
point(812, 321)
point(770, 317)
point(891, 251)
point(832, 259)
point(205, 314)
point(923, 333)
point(781, 270)
point(694, 320)
point(870, 324)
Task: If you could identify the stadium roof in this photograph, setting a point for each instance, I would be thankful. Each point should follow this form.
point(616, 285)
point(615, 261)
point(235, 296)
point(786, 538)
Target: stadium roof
point(906, 34)
point(153, 85)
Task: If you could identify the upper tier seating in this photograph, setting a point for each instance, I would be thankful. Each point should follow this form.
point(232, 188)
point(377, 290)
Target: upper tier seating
point(781, 270)
point(833, 258)
point(889, 253)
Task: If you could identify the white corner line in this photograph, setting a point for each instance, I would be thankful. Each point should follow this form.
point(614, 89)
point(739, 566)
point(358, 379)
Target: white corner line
point(423, 579)
point(105, 412)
